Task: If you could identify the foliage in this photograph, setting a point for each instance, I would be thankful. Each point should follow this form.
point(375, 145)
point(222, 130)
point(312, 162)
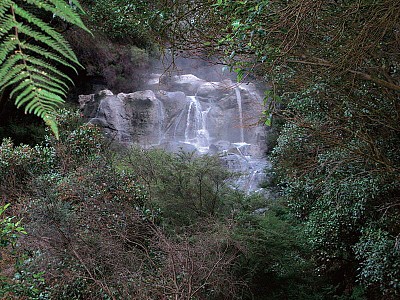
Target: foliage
point(125, 21)
point(338, 185)
point(17, 163)
point(115, 66)
point(333, 67)
point(277, 262)
point(289, 44)
point(10, 230)
point(30, 48)
point(186, 187)
point(269, 251)
point(105, 226)
point(378, 253)
point(96, 234)
point(23, 284)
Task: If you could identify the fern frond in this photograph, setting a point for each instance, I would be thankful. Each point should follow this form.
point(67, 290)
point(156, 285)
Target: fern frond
point(37, 99)
point(78, 5)
point(51, 121)
point(61, 9)
point(55, 45)
point(47, 54)
point(38, 77)
point(57, 91)
point(49, 69)
point(42, 98)
point(30, 50)
point(7, 47)
point(4, 5)
point(25, 94)
point(6, 68)
point(6, 24)
point(57, 37)
point(15, 72)
point(22, 85)
point(39, 81)
point(18, 77)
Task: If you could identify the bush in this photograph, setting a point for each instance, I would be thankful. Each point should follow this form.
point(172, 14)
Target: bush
point(148, 225)
point(187, 188)
point(18, 282)
point(19, 163)
point(276, 261)
point(338, 172)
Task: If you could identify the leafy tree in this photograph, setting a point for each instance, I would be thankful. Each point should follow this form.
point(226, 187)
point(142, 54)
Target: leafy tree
point(124, 21)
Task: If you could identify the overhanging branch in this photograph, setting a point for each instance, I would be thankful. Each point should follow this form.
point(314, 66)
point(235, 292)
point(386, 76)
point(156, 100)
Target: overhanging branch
point(363, 75)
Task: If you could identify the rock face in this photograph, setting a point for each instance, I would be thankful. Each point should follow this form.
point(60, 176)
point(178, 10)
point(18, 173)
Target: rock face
point(186, 113)
point(180, 109)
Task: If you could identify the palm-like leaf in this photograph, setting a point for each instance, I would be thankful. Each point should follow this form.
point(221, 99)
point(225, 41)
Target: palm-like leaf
point(30, 50)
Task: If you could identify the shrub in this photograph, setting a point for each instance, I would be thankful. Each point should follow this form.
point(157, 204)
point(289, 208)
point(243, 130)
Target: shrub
point(19, 163)
point(186, 187)
point(276, 260)
point(338, 172)
point(18, 282)
point(78, 142)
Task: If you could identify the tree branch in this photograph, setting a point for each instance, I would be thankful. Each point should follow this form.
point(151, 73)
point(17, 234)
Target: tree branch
point(363, 75)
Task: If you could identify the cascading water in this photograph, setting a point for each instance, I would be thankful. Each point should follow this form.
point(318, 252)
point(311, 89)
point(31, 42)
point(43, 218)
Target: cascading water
point(196, 132)
point(161, 120)
point(239, 102)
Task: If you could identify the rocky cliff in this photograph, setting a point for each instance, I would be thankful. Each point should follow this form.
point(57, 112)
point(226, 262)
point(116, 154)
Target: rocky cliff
point(182, 112)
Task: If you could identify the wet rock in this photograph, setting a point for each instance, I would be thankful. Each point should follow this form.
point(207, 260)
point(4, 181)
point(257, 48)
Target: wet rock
point(176, 147)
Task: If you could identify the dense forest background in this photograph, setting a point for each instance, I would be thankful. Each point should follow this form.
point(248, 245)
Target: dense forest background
point(82, 218)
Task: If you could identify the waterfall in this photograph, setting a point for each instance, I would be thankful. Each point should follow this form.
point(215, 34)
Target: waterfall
point(196, 132)
point(160, 120)
point(239, 102)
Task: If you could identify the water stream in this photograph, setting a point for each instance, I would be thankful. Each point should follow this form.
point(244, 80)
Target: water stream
point(239, 102)
point(196, 132)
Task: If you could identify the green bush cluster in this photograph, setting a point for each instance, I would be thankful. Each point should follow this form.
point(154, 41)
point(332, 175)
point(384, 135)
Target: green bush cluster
point(125, 21)
point(338, 172)
point(184, 186)
point(23, 284)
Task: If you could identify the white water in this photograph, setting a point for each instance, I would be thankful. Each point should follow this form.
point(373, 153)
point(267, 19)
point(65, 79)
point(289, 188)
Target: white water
point(160, 119)
point(239, 102)
point(211, 123)
point(200, 125)
point(196, 132)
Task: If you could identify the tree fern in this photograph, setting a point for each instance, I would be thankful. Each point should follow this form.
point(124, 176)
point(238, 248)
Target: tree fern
point(31, 49)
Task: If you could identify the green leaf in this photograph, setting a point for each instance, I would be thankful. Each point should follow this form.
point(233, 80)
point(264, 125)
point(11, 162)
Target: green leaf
point(52, 123)
point(240, 74)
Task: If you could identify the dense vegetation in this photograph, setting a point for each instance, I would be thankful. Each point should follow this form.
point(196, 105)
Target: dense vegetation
point(333, 67)
point(139, 225)
point(134, 225)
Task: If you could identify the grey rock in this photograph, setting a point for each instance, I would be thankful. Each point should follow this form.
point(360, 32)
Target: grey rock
point(176, 147)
